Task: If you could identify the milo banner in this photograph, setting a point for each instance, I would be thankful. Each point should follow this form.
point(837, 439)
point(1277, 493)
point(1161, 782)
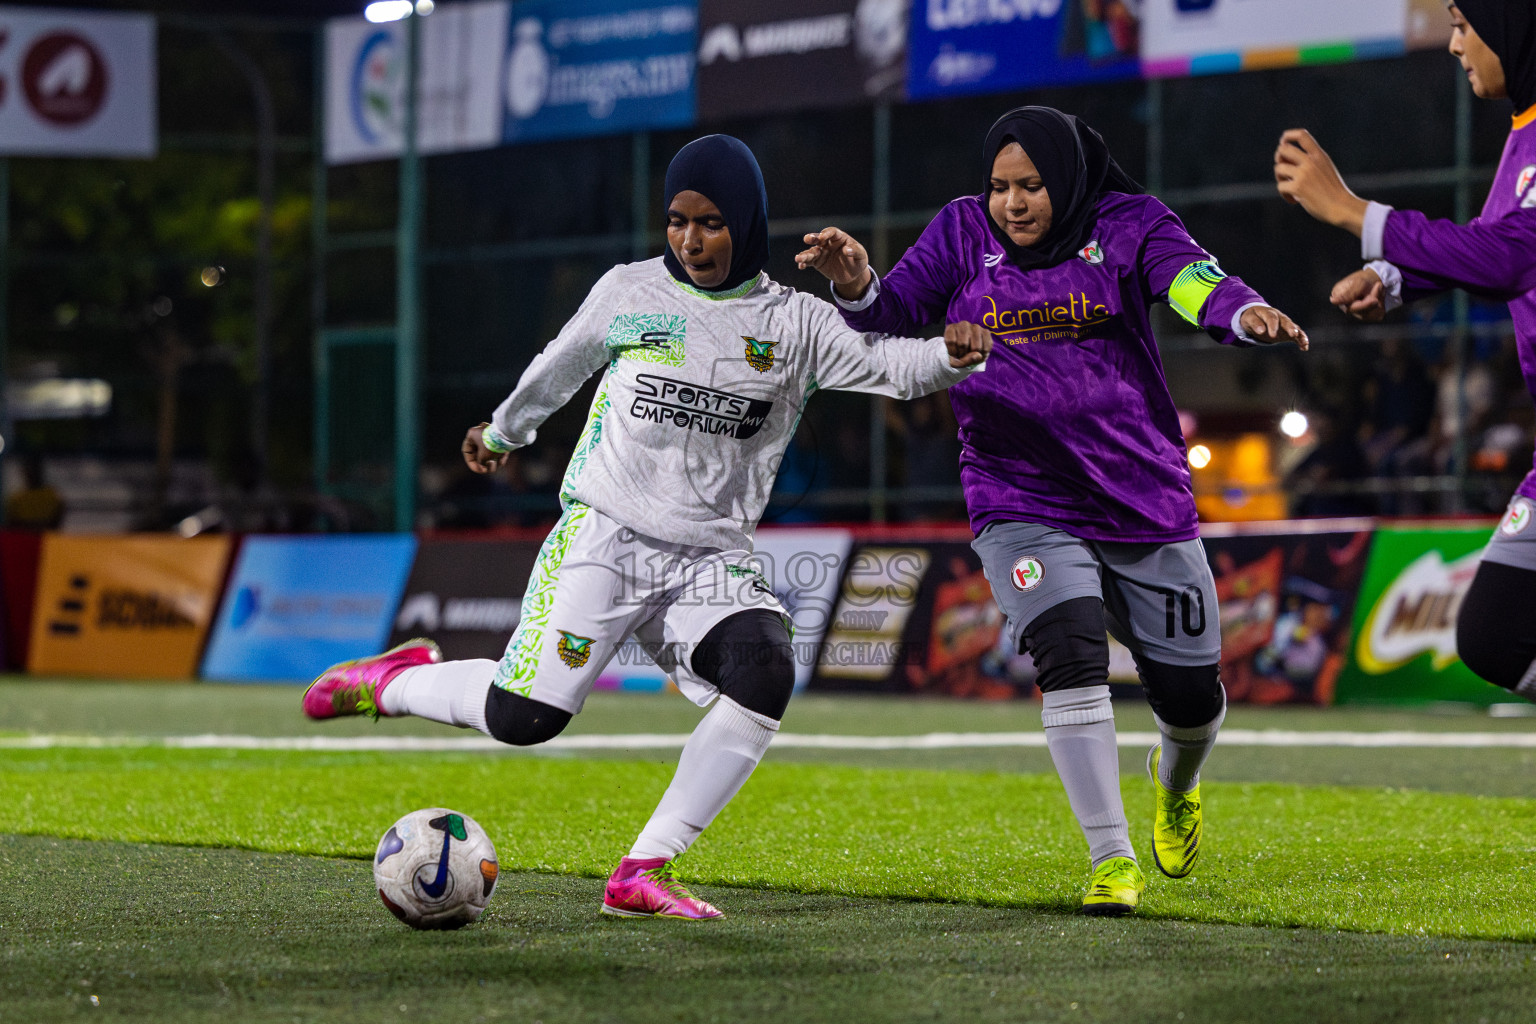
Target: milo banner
point(465, 593)
point(135, 607)
point(759, 57)
point(1404, 644)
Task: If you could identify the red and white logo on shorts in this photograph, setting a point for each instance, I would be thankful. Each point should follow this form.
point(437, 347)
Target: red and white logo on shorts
point(1027, 573)
point(1517, 519)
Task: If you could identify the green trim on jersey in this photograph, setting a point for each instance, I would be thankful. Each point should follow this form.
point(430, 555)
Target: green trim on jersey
point(649, 337)
point(1192, 287)
point(586, 444)
point(517, 667)
point(734, 293)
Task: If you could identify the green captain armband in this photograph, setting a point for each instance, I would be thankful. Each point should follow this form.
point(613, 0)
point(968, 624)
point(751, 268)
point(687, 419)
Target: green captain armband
point(494, 441)
point(1192, 287)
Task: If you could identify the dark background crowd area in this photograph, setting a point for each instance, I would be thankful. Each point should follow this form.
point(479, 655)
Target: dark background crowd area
point(107, 259)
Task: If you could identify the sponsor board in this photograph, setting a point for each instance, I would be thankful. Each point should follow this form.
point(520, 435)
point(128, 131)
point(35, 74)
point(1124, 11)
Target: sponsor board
point(760, 58)
point(76, 84)
point(1202, 37)
point(802, 567)
point(296, 605)
point(466, 594)
point(458, 83)
point(594, 67)
point(125, 607)
point(1403, 648)
point(965, 47)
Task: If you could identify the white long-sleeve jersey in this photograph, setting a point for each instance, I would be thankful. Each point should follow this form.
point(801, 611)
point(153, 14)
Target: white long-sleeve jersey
point(701, 396)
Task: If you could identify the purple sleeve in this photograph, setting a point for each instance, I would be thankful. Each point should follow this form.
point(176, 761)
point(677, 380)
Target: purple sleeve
point(917, 291)
point(1492, 258)
point(1167, 250)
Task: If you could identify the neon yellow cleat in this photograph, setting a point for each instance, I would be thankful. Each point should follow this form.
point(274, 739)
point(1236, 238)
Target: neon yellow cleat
point(1115, 888)
point(1177, 824)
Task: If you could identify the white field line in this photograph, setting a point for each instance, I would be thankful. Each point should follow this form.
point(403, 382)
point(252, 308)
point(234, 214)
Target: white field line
point(664, 741)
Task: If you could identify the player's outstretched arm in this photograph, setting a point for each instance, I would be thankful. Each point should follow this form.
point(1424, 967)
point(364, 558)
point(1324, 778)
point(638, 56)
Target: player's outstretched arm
point(1305, 175)
point(1267, 325)
point(841, 258)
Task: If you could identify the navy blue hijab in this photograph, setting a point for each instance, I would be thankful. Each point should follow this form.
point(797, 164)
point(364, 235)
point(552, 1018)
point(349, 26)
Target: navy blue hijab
point(1509, 29)
point(724, 171)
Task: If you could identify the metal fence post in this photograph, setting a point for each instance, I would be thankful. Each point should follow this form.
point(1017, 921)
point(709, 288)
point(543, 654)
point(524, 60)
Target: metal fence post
point(319, 241)
point(408, 296)
point(640, 196)
point(879, 256)
point(1459, 336)
point(6, 438)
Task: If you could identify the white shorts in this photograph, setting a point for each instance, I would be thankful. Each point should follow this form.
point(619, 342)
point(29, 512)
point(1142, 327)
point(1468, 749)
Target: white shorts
point(597, 583)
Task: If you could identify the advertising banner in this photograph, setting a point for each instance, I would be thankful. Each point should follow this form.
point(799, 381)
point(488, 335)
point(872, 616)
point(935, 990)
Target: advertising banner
point(125, 607)
point(1403, 648)
point(21, 553)
point(76, 84)
point(466, 594)
point(803, 567)
point(961, 47)
point(920, 617)
point(757, 57)
point(1203, 37)
point(296, 605)
point(458, 85)
point(594, 67)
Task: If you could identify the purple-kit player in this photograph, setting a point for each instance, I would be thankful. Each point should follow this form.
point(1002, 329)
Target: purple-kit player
point(1410, 256)
point(1074, 467)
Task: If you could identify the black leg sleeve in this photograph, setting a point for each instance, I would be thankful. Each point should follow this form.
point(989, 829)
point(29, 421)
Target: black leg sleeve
point(749, 658)
point(1496, 627)
point(521, 721)
point(1183, 696)
point(1069, 645)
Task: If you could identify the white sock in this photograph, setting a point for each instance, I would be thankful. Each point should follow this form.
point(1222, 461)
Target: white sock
point(716, 761)
point(1080, 733)
point(452, 692)
point(1185, 750)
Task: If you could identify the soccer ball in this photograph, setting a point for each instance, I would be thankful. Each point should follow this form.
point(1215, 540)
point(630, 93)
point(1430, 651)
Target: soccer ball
point(435, 868)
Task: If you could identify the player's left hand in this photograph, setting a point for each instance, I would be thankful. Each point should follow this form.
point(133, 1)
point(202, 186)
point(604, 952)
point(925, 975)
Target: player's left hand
point(968, 344)
point(1305, 175)
point(477, 456)
point(1268, 325)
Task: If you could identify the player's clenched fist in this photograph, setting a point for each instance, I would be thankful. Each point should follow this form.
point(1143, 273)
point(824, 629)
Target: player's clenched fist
point(477, 456)
point(1361, 295)
point(968, 344)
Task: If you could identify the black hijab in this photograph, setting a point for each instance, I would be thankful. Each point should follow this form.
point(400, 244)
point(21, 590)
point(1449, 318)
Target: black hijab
point(1509, 29)
point(724, 171)
point(1076, 167)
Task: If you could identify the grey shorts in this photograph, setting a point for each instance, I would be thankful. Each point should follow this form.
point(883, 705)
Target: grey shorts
point(1514, 540)
point(1159, 599)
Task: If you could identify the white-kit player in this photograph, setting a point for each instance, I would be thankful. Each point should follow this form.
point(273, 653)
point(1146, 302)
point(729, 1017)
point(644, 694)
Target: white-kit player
point(709, 365)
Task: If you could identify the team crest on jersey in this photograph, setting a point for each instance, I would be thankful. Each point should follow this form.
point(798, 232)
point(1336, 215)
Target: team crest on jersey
point(759, 354)
point(1517, 519)
point(1523, 182)
point(573, 650)
point(1027, 573)
point(992, 259)
point(1092, 253)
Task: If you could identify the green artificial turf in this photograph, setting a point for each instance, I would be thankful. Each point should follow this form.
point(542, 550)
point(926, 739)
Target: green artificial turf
point(173, 934)
point(1277, 854)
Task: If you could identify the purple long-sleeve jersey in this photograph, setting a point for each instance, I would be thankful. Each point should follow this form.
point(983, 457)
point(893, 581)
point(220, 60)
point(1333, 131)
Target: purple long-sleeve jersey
point(1493, 256)
point(1072, 425)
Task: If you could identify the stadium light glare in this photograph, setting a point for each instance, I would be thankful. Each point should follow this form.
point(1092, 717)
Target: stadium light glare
point(387, 10)
point(211, 276)
point(1199, 456)
point(1293, 424)
point(425, 7)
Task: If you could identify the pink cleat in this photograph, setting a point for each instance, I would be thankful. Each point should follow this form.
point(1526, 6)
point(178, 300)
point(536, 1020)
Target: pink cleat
point(353, 687)
point(648, 888)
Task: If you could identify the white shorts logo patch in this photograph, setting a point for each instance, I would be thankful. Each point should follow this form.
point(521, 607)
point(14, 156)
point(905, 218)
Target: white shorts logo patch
point(1027, 574)
point(1519, 517)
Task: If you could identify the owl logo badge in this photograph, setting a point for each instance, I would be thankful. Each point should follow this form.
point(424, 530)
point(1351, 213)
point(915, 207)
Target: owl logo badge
point(573, 650)
point(759, 354)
